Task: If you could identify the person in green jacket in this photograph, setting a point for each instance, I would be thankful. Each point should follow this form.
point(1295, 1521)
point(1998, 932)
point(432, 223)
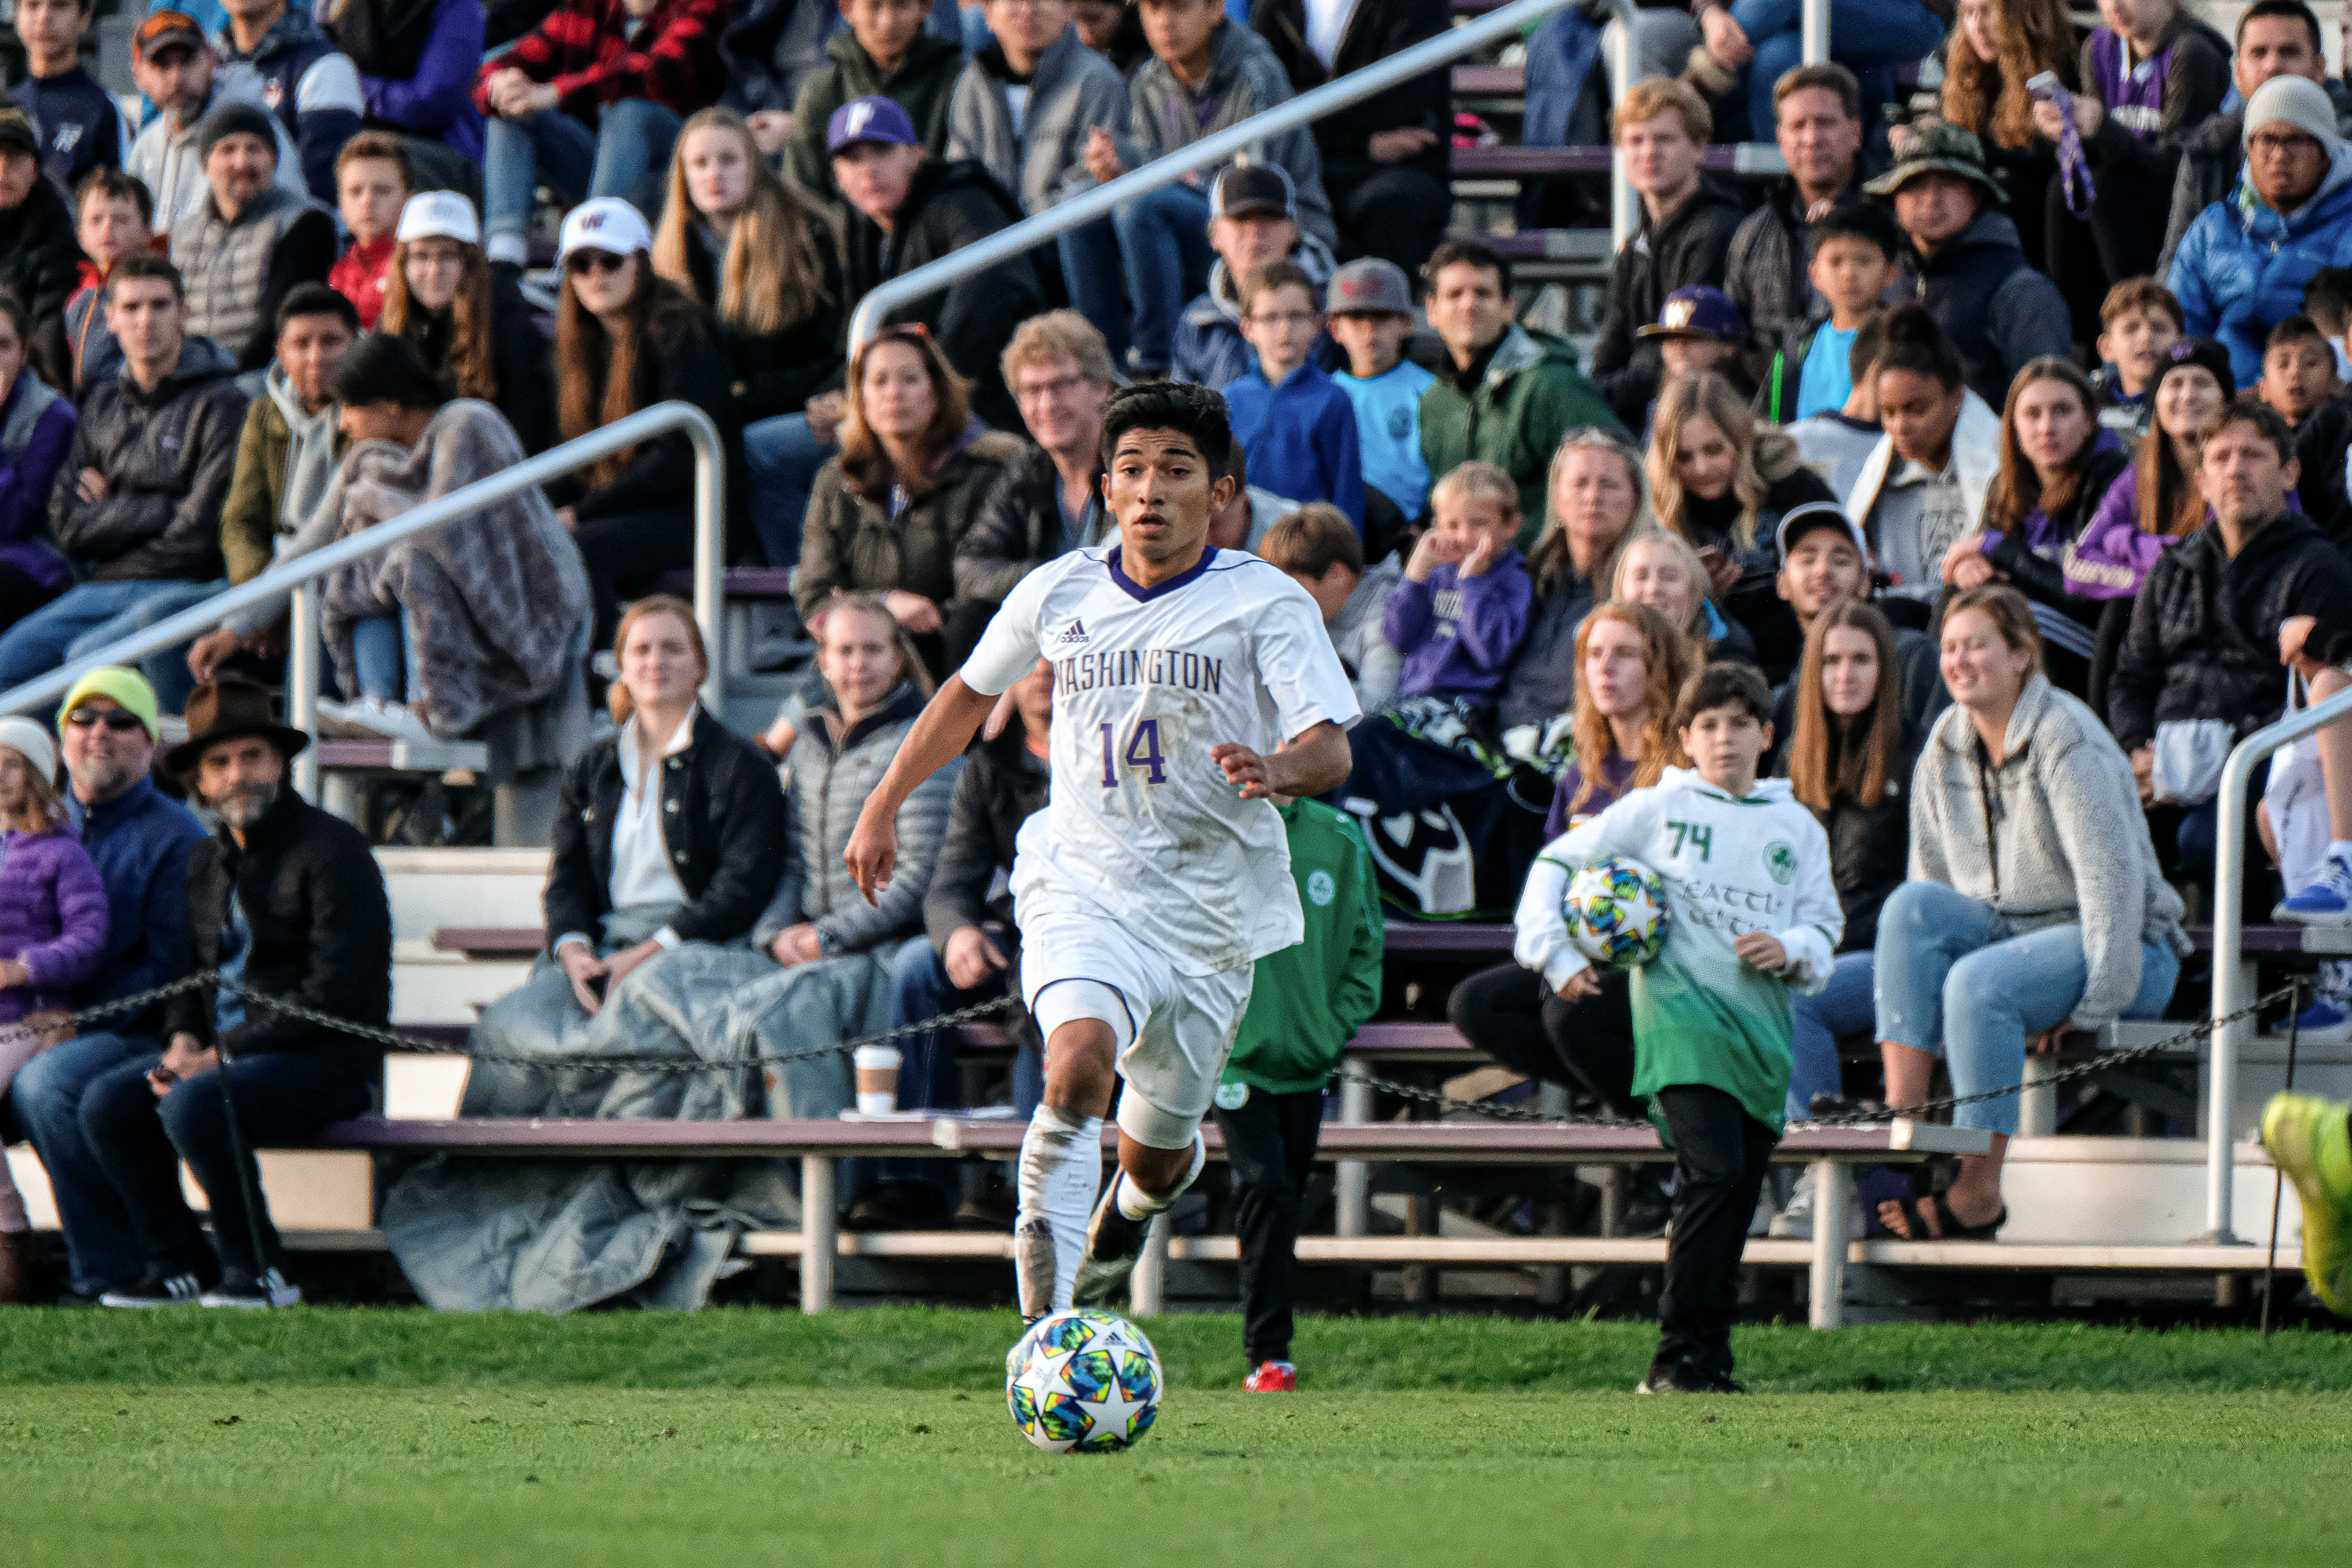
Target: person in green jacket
point(1306, 1004)
point(1507, 394)
point(883, 52)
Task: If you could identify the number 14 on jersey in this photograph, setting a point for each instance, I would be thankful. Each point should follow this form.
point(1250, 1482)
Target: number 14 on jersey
point(1142, 752)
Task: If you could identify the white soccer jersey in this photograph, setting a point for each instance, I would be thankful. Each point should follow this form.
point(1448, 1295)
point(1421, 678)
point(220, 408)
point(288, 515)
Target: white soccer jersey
point(1140, 822)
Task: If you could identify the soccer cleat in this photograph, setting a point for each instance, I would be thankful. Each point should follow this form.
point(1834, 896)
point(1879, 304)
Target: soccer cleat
point(158, 1289)
point(2327, 902)
point(1272, 1377)
point(1682, 1377)
point(1114, 1246)
point(2309, 1141)
point(241, 1289)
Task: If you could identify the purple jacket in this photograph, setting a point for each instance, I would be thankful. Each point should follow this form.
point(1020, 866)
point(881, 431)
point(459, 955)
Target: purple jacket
point(36, 428)
point(2112, 558)
point(52, 918)
point(437, 103)
point(1458, 635)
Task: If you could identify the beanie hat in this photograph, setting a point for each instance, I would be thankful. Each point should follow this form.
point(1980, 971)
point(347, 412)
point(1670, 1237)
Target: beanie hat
point(32, 743)
point(2297, 102)
point(127, 687)
point(235, 119)
point(2202, 352)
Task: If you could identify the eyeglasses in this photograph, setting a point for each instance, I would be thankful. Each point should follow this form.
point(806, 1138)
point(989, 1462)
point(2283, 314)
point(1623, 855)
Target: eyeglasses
point(1032, 392)
point(581, 261)
point(118, 720)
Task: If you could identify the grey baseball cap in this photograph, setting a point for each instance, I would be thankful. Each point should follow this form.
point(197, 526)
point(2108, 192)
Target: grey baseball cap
point(1363, 288)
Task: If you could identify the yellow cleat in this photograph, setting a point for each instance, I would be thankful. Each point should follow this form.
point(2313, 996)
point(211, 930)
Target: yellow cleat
point(2309, 1141)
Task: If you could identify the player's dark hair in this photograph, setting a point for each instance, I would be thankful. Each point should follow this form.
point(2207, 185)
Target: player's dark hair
point(1916, 344)
point(1863, 221)
point(2295, 329)
point(1176, 405)
point(2328, 298)
point(383, 368)
point(2294, 10)
point(317, 300)
point(1724, 685)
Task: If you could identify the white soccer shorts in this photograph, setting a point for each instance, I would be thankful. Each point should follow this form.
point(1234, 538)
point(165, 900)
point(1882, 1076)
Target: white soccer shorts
point(1174, 1030)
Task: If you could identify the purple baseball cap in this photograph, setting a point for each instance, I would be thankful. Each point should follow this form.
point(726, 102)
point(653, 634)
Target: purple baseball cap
point(870, 120)
point(1699, 312)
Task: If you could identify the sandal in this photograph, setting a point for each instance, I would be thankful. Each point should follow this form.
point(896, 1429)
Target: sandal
point(1915, 1211)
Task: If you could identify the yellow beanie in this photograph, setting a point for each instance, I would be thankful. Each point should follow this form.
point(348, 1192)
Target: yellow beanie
point(127, 687)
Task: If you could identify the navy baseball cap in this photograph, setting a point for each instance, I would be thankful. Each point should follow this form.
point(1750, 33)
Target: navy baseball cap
point(870, 120)
point(1699, 312)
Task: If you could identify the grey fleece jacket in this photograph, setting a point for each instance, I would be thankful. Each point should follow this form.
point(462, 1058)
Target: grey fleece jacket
point(2063, 843)
point(1073, 89)
point(825, 787)
point(1245, 77)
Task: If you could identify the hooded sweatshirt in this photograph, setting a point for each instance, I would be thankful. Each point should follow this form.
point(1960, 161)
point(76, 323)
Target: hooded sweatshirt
point(1529, 395)
point(1245, 78)
point(2242, 267)
point(1040, 153)
point(1208, 348)
point(1998, 310)
point(285, 460)
point(924, 86)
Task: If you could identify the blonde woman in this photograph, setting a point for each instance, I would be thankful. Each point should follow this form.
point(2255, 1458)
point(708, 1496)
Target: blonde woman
point(1597, 496)
point(765, 261)
point(1719, 482)
point(1661, 570)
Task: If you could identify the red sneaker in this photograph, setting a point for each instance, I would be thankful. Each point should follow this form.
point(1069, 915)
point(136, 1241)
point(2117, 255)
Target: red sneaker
point(1272, 1377)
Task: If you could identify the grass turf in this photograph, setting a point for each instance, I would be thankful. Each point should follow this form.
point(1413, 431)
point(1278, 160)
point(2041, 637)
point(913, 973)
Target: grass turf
point(363, 1437)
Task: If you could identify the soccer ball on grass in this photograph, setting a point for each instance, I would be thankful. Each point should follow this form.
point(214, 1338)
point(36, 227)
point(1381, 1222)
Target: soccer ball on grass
point(1616, 912)
point(1083, 1382)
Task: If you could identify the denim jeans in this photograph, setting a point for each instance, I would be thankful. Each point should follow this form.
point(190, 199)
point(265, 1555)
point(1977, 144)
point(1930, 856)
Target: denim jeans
point(1845, 1007)
point(85, 618)
point(1160, 244)
point(920, 989)
point(1871, 37)
point(785, 459)
point(101, 1249)
point(550, 148)
point(1088, 256)
point(139, 1140)
point(1953, 981)
point(380, 647)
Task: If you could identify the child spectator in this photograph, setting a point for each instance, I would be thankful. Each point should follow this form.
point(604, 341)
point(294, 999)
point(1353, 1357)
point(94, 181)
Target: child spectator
point(882, 51)
point(2299, 380)
point(81, 128)
point(53, 924)
point(1317, 546)
point(1712, 1041)
point(1298, 426)
point(1458, 615)
point(1369, 316)
point(373, 180)
point(1837, 442)
point(116, 219)
point(2139, 320)
point(1853, 257)
point(1253, 219)
point(1306, 1004)
point(1698, 331)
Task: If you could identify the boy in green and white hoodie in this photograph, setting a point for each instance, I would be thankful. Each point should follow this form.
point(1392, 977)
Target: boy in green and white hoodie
point(1750, 912)
point(1306, 1004)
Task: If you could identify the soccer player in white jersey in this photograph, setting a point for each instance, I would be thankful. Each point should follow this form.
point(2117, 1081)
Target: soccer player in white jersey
point(1191, 684)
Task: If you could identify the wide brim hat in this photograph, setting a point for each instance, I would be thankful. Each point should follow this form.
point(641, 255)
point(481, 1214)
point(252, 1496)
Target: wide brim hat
point(230, 710)
point(1940, 148)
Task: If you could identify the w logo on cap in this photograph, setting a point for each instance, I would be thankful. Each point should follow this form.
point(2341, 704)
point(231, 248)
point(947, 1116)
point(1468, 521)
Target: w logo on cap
point(590, 222)
point(1678, 313)
point(861, 114)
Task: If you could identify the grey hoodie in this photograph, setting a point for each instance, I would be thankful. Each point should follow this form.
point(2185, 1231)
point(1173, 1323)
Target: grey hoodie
point(2064, 841)
point(311, 465)
point(1245, 78)
point(1073, 89)
point(1373, 665)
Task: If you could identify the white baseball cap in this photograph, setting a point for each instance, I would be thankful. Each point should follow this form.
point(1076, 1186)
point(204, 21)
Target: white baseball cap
point(607, 223)
point(443, 215)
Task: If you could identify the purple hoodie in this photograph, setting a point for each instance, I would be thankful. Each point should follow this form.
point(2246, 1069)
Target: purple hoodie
point(33, 445)
point(52, 918)
point(2112, 558)
point(1459, 634)
point(437, 103)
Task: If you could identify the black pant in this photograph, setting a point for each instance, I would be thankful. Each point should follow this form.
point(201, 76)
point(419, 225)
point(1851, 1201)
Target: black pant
point(1270, 1145)
point(624, 553)
point(1509, 1012)
point(1721, 1153)
point(2120, 239)
point(139, 1140)
point(1396, 215)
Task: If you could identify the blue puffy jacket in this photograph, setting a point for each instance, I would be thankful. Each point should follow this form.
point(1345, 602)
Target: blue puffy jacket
point(2242, 269)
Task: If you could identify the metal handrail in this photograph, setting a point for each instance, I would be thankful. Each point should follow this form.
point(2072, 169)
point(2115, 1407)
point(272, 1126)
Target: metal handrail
point(302, 646)
point(2230, 988)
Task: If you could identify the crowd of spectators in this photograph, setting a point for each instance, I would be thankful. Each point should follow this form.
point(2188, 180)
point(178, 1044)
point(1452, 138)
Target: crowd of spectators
point(2026, 506)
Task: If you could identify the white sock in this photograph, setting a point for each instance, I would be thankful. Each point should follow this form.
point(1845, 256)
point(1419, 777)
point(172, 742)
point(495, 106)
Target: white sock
point(1061, 1169)
point(1134, 1205)
point(2340, 851)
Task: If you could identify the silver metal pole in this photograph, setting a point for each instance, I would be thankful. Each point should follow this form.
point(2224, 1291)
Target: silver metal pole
point(1816, 41)
point(303, 656)
point(1428, 55)
point(1624, 206)
point(710, 563)
point(820, 1232)
point(1353, 1181)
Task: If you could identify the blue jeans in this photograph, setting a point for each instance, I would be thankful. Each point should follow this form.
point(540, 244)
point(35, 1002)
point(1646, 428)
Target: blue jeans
point(1871, 37)
point(920, 989)
point(550, 148)
point(785, 459)
point(380, 649)
point(1954, 982)
point(1844, 1008)
point(1089, 255)
point(101, 1249)
point(87, 617)
point(1160, 245)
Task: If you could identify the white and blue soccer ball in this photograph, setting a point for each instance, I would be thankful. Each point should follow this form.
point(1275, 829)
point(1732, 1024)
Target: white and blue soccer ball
point(1083, 1382)
point(1616, 912)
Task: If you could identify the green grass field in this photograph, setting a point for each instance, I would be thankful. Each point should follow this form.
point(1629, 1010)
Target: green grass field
point(365, 1438)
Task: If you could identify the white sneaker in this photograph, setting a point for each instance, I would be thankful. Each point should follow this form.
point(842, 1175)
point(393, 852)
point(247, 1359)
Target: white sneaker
point(1795, 1223)
point(244, 1290)
point(394, 721)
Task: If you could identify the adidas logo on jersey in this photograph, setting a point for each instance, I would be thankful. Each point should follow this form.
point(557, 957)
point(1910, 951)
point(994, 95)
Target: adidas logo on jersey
point(1076, 634)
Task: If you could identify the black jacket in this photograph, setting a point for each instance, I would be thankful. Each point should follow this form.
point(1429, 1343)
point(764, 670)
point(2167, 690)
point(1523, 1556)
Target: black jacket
point(1691, 246)
point(950, 206)
point(1019, 527)
point(519, 358)
point(40, 260)
point(1004, 784)
point(682, 361)
point(2044, 580)
point(1375, 31)
point(1870, 846)
point(320, 925)
point(776, 373)
point(2204, 642)
point(167, 456)
point(2320, 442)
point(722, 820)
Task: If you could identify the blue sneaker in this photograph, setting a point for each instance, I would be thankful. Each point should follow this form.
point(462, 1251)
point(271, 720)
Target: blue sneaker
point(2326, 1022)
point(2327, 902)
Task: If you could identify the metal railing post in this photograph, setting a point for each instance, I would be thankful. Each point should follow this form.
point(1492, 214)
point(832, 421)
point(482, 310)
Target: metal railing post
point(304, 654)
point(710, 563)
point(1816, 36)
point(1617, 49)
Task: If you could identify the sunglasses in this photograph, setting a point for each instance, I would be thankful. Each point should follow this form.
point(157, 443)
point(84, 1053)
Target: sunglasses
point(115, 719)
point(582, 261)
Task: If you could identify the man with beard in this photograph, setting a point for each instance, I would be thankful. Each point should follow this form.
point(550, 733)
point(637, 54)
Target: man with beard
point(286, 901)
